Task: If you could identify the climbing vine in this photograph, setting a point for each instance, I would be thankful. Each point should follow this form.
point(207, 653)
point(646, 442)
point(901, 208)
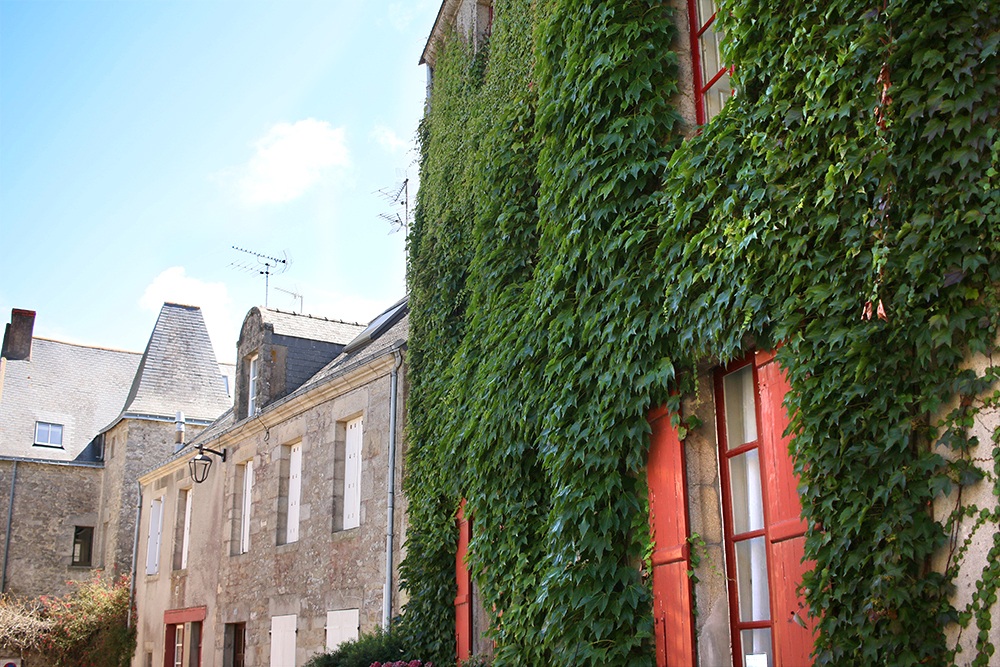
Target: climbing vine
point(573, 257)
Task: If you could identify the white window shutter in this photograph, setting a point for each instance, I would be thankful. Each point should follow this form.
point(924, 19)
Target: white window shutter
point(294, 492)
point(153, 543)
point(352, 475)
point(341, 626)
point(283, 641)
point(187, 528)
point(245, 519)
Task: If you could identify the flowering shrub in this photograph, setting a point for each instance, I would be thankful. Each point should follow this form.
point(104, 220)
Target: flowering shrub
point(87, 628)
point(403, 663)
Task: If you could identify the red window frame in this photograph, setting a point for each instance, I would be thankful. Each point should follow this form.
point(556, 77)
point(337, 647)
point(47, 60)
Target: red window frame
point(792, 630)
point(696, 32)
point(730, 538)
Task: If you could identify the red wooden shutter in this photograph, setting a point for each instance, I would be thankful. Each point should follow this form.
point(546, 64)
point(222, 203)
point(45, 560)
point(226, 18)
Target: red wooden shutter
point(673, 615)
point(786, 529)
point(463, 601)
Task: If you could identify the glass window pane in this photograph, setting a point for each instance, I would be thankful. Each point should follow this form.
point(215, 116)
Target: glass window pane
point(711, 54)
point(756, 647)
point(741, 412)
point(751, 579)
point(717, 96)
point(744, 483)
point(706, 9)
point(55, 434)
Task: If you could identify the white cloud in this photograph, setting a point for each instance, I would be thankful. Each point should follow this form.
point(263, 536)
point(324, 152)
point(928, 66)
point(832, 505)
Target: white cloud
point(213, 299)
point(290, 159)
point(388, 139)
point(401, 14)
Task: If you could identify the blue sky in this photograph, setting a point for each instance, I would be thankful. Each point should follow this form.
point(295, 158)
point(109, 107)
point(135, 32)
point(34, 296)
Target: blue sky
point(140, 140)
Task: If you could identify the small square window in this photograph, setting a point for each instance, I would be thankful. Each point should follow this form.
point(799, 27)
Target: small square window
point(48, 435)
point(83, 543)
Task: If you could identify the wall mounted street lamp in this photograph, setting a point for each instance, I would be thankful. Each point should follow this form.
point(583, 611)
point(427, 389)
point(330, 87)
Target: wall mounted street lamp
point(201, 463)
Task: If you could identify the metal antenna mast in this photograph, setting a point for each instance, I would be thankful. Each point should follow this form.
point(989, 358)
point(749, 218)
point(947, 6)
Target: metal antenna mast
point(398, 196)
point(279, 264)
point(294, 295)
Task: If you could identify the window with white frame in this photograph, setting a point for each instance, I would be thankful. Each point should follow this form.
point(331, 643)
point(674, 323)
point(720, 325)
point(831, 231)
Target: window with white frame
point(179, 646)
point(182, 529)
point(283, 641)
point(252, 385)
point(711, 76)
point(153, 539)
point(246, 505)
point(352, 474)
point(290, 493)
point(48, 435)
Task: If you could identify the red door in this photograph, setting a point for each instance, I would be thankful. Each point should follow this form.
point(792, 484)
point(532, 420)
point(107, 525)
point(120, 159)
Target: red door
point(673, 615)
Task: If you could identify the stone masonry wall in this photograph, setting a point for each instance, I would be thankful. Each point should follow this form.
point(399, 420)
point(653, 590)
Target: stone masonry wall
point(326, 569)
point(701, 451)
point(138, 446)
point(49, 502)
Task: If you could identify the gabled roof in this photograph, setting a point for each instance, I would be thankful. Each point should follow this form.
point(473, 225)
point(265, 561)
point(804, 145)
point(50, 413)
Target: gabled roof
point(79, 387)
point(309, 327)
point(390, 333)
point(178, 370)
point(445, 17)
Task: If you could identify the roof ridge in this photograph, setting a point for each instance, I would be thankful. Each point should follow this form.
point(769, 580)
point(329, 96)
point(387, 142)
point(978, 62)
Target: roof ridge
point(312, 317)
point(91, 347)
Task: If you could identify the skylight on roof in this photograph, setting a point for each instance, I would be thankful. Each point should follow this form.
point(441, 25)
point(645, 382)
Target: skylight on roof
point(378, 326)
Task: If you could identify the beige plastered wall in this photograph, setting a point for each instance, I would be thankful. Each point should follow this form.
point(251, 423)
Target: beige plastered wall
point(979, 539)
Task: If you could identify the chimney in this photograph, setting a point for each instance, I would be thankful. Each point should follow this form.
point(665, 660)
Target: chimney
point(178, 432)
point(17, 336)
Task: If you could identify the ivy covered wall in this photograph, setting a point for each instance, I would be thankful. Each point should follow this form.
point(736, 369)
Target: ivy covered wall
point(577, 251)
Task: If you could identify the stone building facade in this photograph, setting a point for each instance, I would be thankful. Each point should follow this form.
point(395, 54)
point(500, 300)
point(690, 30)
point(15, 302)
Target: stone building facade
point(281, 552)
point(728, 539)
point(77, 425)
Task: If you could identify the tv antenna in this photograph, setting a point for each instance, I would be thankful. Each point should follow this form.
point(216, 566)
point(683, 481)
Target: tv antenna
point(294, 295)
point(398, 196)
point(265, 265)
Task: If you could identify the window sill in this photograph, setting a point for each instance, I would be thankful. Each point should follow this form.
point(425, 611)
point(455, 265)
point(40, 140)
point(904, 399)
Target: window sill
point(346, 534)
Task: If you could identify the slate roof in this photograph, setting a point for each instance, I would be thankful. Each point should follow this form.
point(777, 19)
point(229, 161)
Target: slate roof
point(309, 327)
point(178, 370)
point(80, 387)
point(384, 341)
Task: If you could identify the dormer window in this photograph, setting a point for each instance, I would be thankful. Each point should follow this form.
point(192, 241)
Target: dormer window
point(48, 435)
point(254, 372)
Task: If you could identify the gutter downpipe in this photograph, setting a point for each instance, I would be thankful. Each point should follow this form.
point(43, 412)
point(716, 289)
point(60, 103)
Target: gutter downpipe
point(135, 550)
point(389, 535)
point(10, 520)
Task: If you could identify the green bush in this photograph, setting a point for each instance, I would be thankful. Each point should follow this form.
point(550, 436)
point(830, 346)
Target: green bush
point(379, 646)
